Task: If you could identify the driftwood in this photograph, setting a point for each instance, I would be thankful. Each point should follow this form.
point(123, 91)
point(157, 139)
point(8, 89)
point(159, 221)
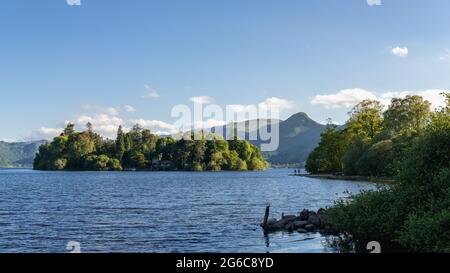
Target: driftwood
point(266, 219)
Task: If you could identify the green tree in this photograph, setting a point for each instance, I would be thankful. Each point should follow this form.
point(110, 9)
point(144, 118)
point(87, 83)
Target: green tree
point(79, 145)
point(327, 156)
point(120, 144)
point(366, 119)
point(137, 148)
point(70, 129)
point(408, 114)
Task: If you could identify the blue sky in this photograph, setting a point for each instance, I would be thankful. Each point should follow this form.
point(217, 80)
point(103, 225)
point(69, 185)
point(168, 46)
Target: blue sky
point(98, 61)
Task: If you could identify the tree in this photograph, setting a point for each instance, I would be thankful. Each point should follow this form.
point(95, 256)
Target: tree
point(137, 148)
point(89, 127)
point(376, 161)
point(366, 119)
point(114, 164)
point(327, 156)
point(415, 213)
point(164, 148)
point(79, 145)
point(256, 164)
point(408, 114)
point(198, 151)
point(120, 144)
point(70, 129)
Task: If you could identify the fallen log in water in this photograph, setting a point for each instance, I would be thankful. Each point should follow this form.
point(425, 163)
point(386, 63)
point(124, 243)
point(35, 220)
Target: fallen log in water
point(305, 221)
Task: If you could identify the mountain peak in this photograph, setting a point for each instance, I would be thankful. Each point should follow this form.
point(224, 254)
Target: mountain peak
point(299, 115)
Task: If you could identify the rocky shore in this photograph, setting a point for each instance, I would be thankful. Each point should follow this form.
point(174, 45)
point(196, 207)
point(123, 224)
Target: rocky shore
point(306, 221)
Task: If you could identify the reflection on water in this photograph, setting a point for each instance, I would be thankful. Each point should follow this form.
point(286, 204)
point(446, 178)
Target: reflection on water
point(158, 212)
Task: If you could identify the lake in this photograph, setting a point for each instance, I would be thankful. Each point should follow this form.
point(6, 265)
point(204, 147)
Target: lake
point(159, 211)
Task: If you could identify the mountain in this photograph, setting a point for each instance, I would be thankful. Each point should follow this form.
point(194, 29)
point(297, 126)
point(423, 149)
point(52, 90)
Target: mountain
point(299, 135)
point(19, 154)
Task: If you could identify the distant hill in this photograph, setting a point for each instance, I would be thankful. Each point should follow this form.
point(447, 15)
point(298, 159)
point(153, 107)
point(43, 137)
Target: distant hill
point(299, 135)
point(18, 155)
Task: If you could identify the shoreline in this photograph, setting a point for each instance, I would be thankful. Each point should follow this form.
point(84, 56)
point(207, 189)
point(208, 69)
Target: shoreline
point(385, 180)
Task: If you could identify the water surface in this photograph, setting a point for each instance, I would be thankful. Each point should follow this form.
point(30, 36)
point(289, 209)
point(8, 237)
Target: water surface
point(158, 211)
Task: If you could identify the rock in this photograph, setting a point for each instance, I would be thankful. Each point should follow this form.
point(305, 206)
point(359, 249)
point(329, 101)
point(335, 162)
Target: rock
point(290, 226)
point(288, 216)
point(322, 218)
point(299, 224)
point(314, 219)
point(307, 221)
point(269, 222)
point(321, 211)
point(275, 226)
point(310, 227)
point(304, 214)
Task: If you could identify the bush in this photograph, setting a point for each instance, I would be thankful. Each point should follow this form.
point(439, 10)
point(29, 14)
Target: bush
point(376, 161)
point(256, 164)
point(196, 167)
point(114, 165)
point(427, 233)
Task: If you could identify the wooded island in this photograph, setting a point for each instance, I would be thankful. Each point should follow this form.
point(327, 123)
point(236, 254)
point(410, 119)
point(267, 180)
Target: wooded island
point(139, 149)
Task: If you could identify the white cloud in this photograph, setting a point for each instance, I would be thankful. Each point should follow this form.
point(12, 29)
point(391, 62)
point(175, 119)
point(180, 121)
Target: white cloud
point(44, 133)
point(385, 98)
point(374, 2)
point(431, 95)
point(206, 124)
point(343, 99)
point(239, 108)
point(400, 51)
point(202, 100)
point(129, 108)
point(274, 102)
point(350, 97)
point(151, 93)
point(73, 2)
point(103, 124)
point(434, 97)
point(152, 124)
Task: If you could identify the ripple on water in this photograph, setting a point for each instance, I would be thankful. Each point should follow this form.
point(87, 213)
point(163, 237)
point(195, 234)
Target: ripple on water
point(158, 212)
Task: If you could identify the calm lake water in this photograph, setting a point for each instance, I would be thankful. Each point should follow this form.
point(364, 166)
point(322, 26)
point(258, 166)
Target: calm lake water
point(158, 211)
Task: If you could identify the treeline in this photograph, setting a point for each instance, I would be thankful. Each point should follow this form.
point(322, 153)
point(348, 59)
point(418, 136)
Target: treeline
point(373, 142)
point(139, 149)
point(414, 214)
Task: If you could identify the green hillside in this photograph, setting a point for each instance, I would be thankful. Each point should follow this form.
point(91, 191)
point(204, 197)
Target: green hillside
point(18, 155)
point(299, 135)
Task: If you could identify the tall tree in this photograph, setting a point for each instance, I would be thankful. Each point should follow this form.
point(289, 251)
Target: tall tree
point(120, 144)
point(366, 119)
point(406, 114)
point(70, 129)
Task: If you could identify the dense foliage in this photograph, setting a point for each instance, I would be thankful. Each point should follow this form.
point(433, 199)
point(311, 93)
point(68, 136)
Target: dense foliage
point(373, 142)
point(141, 150)
point(414, 214)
